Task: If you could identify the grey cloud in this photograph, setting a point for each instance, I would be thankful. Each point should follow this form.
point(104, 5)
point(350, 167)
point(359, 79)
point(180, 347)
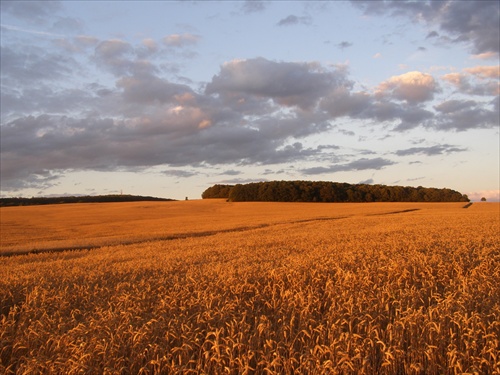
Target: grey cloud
point(86, 40)
point(362, 164)
point(294, 20)
point(251, 113)
point(32, 11)
point(114, 54)
point(68, 24)
point(356, 165)
point(468, 84)
point(180, 173)
point(58, 143)
point(342, 102)
point(77, 44)
point(230, 172)
point(412, 117)
point(431, 150)
point(234, 181)
point(461, 115)
point(432, 34)
point(253, 6)
point(344, 45)
point(317, 170)
point(474, 22)
point(149, 89)
point(289, 84)
point(41, 179)
point(452, 106)
point(369, 181)
point(272, 172)
point(30, 65)
point(122, 58)
point(300, 125)
point(328, 147)
point(42, 98)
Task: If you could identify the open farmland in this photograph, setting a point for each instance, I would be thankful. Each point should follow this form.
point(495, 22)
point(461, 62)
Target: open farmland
point(210, 287)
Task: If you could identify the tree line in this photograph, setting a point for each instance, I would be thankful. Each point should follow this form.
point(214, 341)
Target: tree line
point(324, 191)
point(4, 202)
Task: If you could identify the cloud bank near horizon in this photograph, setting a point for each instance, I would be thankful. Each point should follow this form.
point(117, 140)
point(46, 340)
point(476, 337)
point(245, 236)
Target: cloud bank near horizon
point(247, 114)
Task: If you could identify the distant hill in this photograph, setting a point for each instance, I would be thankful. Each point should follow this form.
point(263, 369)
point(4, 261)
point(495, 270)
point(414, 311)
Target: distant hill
point(4, 202)
point(324, 191)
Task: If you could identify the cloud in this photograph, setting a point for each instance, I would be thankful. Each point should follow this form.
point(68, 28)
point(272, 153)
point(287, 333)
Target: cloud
point(378, 55)
point(230, 172)
point(463, 84)
point(413, 87)
point(344, 44)
point(235, 181)
point(295, 20)
point(181, 40)
point(368, 181)
point(68, 24)
point(473, 22)
point(114, 54)
point(180, 173)
point(287, 83)
point(32, 65)
point(342, 102)
point(38, 12)
point(356, 165)
point(478, 80)
point(253, 6)
point(484, 71)
point(77, 44)
point(430, 151)
point(150, 89)
point(432, 34)
point(485, 56)
point(31, 145)
point(252, 112)
point(461, 115)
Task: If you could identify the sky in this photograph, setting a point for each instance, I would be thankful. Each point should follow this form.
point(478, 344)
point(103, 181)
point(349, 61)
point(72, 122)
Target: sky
point(169, 98)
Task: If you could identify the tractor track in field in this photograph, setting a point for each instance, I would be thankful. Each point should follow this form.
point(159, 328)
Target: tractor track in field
point(181, 236)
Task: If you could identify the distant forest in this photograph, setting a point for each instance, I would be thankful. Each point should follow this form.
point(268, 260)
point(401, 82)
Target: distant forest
point(323, 191)
point(4, 202)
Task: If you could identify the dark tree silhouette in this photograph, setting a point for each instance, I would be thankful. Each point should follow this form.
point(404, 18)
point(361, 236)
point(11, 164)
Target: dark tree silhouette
point(324, 191)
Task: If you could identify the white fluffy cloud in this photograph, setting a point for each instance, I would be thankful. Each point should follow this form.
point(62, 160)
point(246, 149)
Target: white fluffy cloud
point(413, 87)
point(478, 80)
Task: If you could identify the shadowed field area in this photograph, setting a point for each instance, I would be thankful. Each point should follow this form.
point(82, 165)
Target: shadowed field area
point(276, 288)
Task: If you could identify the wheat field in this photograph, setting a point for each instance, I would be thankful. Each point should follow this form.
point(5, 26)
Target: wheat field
point(210, 287)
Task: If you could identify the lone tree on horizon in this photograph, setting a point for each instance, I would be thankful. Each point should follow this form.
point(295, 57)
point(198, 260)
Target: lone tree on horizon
point(483, 199)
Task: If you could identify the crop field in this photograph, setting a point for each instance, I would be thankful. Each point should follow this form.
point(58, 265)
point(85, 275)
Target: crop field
point(211, 287)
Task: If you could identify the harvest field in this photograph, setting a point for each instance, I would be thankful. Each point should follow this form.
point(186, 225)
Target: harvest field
point(211, 287)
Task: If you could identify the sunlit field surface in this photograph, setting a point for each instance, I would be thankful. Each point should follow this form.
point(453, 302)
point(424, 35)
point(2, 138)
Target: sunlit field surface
point(210, 287)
